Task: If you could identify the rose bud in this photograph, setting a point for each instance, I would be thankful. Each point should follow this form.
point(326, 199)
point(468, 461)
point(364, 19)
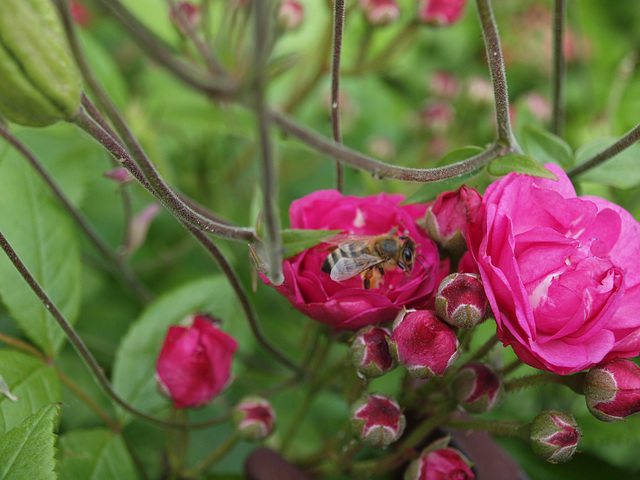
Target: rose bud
point(380, 12)
point(120, 175)
point(478, 388)
point(377, 421)
point(194, 364)
point(185, 15)
point(443, 463)
point(461, 301)
point(440, 12)
point(254, 419)
point(554, 436)
point(449, 216)
point(369, 352)
point(290, 15)
point(423, 344)
point(612, 390)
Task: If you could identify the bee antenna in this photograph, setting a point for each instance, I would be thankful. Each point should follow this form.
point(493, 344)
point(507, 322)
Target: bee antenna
point(420, 258)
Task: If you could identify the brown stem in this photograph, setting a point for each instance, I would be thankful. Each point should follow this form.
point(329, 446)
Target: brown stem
point(557, 86)
point(338, 30)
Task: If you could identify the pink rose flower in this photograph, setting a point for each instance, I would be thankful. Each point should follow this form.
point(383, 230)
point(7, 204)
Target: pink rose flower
point(560, 272)
point(194, 364)
point(347, 304)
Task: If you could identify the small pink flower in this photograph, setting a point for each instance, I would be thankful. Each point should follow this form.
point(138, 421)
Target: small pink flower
point(554, 436)
point(441, 464)
point(370, 353)
point(377, 420)
point(380, 12)
point(478, 388)
point(612, 390)
point(80, 14)
point(461, 301)
point(560, 272)
point(449, 216)
point(194, 364)
point(254, 419)
point(440, 12)
point(290, 14)
point(444, 85)
point(423, 344)
point(185, 15)
point(346, 304)
point(120, 175)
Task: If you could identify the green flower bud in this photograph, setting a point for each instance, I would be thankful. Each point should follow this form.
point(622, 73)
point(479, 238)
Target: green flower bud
point(39, 82)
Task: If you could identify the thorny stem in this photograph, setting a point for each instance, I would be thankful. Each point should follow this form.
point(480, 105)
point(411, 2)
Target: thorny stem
point(158, 187)
point(380, 169)
point(269, 176)
point(121, 269)
point(628, 139)
point(557, 86)
point(498, 76)
point(338, 29)
point(241, 293)
point(572, 381)
point(77, 342)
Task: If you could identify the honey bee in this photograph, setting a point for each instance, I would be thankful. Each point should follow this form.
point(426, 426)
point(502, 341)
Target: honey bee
point(356, 255)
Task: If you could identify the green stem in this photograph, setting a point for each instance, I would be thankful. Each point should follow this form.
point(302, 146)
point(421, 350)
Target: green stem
point(508, 429)
point(484, 349)
point(507, 369)
point(213, 457)
point(572, 381)
point(557, 85)
point(498, 75)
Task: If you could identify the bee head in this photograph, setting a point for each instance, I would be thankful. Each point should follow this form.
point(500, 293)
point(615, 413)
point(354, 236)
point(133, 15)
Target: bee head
point(408, 254)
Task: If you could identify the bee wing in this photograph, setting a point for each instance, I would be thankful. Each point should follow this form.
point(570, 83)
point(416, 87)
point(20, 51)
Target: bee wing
point(349, 267)
point(344, 240)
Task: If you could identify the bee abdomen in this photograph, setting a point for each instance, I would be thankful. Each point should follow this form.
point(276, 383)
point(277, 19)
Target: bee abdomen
point(330, 261)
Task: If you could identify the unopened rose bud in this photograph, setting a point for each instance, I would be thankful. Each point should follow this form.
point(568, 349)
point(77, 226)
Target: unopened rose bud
point(380, 12)
point(554, 436)
point(254, 419)
point(444, 84)
point(194, 364)
point(612, 390)
point(185, 15)
point(461, 300)
point(423, 344)
point(290, 14)
point(120, 175)
point(443, 463)
point(478, 388)
point(369, 352)
point(377, 421)
point(39, 81)
point(440, 12)
point(449, 216)
point(437, 115)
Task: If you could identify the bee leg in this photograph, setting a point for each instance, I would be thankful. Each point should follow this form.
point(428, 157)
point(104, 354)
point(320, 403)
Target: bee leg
point(367, 278)
point(381, 270)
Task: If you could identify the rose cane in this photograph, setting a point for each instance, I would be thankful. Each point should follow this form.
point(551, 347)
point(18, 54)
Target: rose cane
point(194, 364)
point(612, 390)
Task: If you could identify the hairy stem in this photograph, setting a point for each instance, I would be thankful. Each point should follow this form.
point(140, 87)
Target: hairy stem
point(120, 269)
point(338, 30)
point(509, 429)
point(628, 139)
point(557, 85)
point(269, 175)
point(498, 75)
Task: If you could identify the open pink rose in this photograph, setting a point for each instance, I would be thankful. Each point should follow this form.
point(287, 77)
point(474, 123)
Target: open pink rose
point(560, 271)
point(347, 304)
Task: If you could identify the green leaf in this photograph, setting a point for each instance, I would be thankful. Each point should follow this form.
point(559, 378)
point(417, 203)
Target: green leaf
point(42, 235)
point(429, 191)
point(620, 171)
point(32, 381)
point(545, 147)
point(27, 450)
point(460, 155)
point(94, 455)
point(515, 162)
point(295, 241)
point(134, 368)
